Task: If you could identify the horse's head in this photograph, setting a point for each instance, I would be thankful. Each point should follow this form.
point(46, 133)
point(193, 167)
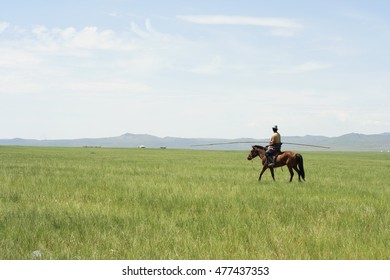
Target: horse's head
point(256, 151)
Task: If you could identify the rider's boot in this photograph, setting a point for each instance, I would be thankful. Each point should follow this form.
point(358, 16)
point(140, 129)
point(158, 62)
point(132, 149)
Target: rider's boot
point(270, 161)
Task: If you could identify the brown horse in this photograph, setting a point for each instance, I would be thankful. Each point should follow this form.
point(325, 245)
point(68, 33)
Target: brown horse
point(291, 159)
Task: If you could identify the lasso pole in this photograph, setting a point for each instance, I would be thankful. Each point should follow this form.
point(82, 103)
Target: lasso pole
point(254, 142)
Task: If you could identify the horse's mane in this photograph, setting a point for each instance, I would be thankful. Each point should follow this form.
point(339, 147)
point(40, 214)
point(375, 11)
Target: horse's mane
point(259, 147)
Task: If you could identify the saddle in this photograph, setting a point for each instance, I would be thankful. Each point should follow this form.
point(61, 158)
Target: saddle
point(275, 151)
point(276, 154)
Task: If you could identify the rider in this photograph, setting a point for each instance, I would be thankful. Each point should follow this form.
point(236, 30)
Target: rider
point(274, 146)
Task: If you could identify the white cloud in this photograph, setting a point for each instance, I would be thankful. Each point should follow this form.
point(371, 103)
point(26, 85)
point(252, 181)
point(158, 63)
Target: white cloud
point(282, 32)
point(312, 66)
point(72, 41)
point(283, 27)
point(138, 31)
point(309, 66)
point(14, 58)
point(212, 67)
point(149, 32)
point(21, 84)
point(241, 20)
point(108, 87)
point(3, 26)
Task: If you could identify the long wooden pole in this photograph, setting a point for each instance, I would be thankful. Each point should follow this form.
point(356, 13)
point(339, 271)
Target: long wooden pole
point(253, 142)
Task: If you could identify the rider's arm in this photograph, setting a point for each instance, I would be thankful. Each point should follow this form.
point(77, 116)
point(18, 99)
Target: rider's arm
point(272, 140)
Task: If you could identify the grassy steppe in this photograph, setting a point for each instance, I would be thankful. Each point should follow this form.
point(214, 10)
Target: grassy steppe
point(84, 203)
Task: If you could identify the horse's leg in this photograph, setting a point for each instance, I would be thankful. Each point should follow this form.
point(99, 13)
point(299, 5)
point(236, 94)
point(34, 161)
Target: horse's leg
point(298, 172)
point(263, 170)
point(291, 173)
point(272, 172)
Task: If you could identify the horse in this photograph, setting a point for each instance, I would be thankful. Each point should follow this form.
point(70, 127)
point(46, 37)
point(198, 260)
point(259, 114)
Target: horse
point(294, 161)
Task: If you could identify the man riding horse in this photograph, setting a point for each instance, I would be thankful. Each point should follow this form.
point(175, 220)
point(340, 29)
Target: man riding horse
point(274, 146)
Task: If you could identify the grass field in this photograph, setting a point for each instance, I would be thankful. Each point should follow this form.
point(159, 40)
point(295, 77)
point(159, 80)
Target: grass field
point(91, 203)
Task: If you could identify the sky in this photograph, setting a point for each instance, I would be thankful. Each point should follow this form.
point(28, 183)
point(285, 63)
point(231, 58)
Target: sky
point(206, 68)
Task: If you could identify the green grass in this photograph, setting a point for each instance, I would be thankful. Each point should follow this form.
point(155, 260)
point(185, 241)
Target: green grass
point(82, 203)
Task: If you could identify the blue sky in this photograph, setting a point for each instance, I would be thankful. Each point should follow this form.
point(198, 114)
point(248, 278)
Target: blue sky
point(229, 69)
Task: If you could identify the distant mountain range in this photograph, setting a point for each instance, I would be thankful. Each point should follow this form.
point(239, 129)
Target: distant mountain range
point(347, 142)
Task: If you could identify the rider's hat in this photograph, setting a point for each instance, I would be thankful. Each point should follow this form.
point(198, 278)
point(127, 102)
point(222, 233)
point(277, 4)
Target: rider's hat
point(275, 127)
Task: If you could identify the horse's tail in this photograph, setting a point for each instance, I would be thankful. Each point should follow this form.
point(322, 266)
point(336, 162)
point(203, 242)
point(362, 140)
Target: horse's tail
point(300, 165)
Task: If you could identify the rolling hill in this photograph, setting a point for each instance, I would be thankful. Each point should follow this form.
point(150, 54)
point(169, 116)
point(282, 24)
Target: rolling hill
point(347, 142)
